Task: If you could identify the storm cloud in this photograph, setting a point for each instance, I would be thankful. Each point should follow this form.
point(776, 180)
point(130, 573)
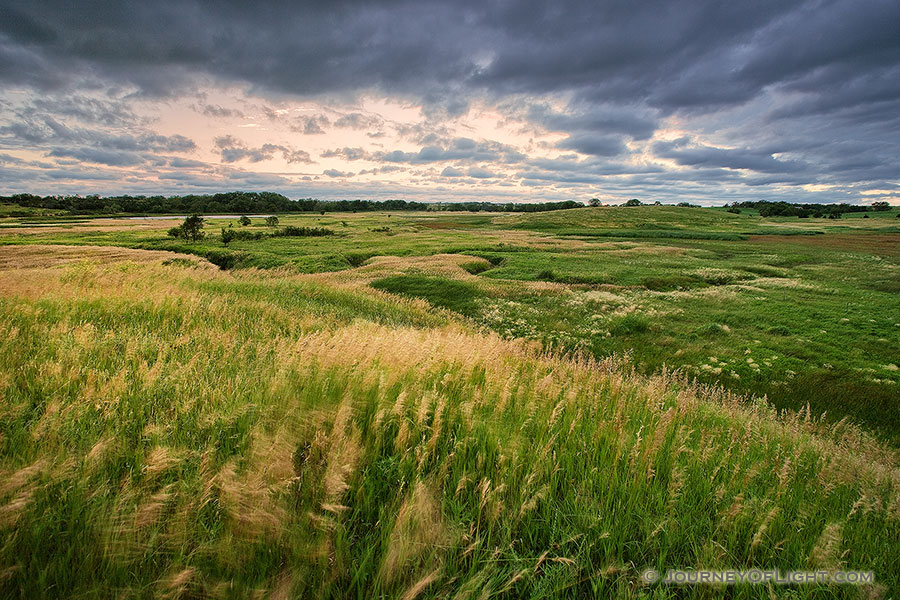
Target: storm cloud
point(719, 99)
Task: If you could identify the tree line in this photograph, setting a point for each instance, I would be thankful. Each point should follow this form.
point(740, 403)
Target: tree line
point(803, 211)
point(251, 202)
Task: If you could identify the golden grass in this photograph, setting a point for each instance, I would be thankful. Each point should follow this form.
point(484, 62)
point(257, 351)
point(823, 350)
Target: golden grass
point(437, 387)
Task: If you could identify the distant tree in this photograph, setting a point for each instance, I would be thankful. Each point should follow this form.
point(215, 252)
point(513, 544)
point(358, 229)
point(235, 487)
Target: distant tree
point(881, 205)
point(734, 210)
point(244, 220)
point(192, 228)
point(227, 236)
point(272, 221)
point(657, 203)
point(595, 202)
point(634, 202)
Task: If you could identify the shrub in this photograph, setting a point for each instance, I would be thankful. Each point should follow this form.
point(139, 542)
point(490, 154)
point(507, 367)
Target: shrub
point(244, 220)
point(475, 268)
point(357, 259)
point(191, 230)
point(229, 235)
point(225, 259)
point(291, 231)
point(272, 221)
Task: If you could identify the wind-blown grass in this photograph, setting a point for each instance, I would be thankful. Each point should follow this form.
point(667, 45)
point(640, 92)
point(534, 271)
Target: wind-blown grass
point(173, 430)
point(818, 313)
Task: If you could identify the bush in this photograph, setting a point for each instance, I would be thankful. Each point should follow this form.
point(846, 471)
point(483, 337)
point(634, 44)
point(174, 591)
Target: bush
point(225, 259)
point(272, 221)
point(244, 221)
point(291, 231)
point(357, 259)
point(474, 268)
point(191, 230)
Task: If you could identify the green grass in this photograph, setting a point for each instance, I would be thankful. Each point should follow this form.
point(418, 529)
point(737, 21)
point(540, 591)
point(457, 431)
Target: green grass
point(804, 296)
point(174, 430)
point(445, 293)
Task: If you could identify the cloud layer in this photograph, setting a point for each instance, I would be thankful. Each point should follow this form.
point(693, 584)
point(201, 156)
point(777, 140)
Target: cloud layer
point(701, 101)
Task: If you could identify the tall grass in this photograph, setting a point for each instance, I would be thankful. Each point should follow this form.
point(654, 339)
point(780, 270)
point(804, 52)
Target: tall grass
point(176, 431)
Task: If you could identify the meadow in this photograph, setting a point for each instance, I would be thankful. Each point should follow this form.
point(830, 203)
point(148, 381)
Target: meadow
point(464, 405)
point(801, 311)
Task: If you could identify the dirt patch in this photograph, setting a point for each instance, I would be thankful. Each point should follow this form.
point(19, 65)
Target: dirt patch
point(882, 244)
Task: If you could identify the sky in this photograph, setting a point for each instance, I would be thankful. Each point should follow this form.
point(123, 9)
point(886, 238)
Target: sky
point(705, 101)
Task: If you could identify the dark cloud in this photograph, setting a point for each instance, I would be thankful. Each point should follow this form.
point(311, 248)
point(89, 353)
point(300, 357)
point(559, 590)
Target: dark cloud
point(310, 125)
point(36, 131)
point(783, 92)
point(345, 153)
point(234, 150)
point(597, 145)
point(111, 158)
point(454, 149)
point(358, 121)
point(480, 173)
point(214, 110)
point(85, 109)
point(669, 54)
point(635, 122)
point(760, 160)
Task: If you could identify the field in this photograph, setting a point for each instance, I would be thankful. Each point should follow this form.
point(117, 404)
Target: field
point(443, 404)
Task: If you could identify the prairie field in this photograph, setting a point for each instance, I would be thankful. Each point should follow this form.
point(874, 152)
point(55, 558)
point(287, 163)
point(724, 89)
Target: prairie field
point(430, 405)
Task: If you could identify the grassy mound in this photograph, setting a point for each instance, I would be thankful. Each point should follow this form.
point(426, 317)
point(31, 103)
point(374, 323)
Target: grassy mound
point(169, 430)
point(446, 293)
